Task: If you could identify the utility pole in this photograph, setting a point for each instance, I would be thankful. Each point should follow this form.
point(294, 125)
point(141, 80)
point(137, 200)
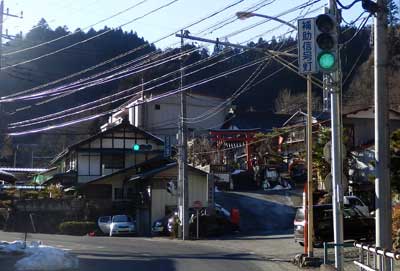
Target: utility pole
point(383, 197)
point(310, 220)
point(335, 86)
point(183, 178)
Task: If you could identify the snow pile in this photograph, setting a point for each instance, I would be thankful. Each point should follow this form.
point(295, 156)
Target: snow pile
point(47, 258)
point(40, 257)
point(280, 187)
point(237, 171)
point(12, 247)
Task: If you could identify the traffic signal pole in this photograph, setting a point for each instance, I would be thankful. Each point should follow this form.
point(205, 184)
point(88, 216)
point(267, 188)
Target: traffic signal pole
point(335, 87)
point(383, 200)
point(310, 216)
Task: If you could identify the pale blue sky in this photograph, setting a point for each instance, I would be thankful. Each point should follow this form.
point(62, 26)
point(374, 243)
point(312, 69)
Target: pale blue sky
point(82, 13)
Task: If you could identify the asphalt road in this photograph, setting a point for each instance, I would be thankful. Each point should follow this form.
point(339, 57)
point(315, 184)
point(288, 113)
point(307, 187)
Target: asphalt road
point(261, 213)
point(130, 253)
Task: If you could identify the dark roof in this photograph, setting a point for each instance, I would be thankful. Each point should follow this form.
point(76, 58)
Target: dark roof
point(116, 127)
point(155, 171)
point(265, 120)
point(318, 116)
point(368, 108)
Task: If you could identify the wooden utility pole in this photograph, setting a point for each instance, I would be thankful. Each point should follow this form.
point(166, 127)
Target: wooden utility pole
point(183, 178)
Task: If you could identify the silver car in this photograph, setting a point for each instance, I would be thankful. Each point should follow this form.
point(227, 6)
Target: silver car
point(122, 224)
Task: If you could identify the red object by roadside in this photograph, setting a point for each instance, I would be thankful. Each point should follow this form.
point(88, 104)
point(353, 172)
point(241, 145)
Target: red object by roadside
point(235, 216)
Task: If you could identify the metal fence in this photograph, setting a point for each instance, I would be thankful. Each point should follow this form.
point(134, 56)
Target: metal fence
point(355, 256)
point(374, 258)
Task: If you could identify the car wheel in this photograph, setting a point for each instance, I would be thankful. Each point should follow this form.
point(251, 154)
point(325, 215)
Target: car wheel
point(301, 244)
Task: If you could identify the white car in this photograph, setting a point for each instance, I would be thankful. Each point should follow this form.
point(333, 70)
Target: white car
point(104, 223)
point(356, 203)
point(122, 224)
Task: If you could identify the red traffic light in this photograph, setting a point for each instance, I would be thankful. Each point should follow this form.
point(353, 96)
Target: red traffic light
point(325, 23)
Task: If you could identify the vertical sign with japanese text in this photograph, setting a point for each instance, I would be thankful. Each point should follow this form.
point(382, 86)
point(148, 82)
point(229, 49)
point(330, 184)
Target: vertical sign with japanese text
point(167, 146)
point(306, 44)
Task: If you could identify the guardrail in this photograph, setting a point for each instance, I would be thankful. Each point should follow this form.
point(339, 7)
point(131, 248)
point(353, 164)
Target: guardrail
point(375, 258)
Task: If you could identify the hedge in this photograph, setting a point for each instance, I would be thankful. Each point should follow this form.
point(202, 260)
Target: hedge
point(77, 227)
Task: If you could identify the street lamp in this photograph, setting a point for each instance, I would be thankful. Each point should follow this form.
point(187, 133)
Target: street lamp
point(243, 15)
point(310, 229)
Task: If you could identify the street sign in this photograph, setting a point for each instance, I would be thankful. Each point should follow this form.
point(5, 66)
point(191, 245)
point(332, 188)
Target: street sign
point(306, 46)
point(197, 204)
point(167, 146)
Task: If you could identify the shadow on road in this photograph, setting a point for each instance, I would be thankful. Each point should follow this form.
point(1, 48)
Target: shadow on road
point(103, 262)
point(259, 216)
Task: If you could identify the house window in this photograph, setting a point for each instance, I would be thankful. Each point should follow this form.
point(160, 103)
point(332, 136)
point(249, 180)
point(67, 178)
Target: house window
point(118, 193)
point(157, 107)
point(113, 161)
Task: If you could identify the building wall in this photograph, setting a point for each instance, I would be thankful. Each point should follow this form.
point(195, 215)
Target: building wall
point(161, 117)
point(364, 129)
point(91, 163)
point(198, 190)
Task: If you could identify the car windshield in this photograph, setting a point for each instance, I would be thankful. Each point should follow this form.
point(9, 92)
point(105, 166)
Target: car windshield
point(121, 218)
point(351, 212)
point(104, 219)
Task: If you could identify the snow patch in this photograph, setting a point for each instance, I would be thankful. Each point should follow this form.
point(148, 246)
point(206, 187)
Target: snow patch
point(237, 171)
point(12, 247)
point(40, 257)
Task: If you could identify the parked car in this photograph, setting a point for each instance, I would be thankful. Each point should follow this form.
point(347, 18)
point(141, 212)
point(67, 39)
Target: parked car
point(357, 203)
point(122, 224)
point(104, 223)
point(356, 225)
point(161, 226)
point(215, 224)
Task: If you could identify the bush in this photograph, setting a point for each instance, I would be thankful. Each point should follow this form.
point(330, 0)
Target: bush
point(77, 227)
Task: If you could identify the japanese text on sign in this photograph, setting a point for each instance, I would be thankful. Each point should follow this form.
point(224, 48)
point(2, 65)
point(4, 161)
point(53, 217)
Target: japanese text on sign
point(306, 46)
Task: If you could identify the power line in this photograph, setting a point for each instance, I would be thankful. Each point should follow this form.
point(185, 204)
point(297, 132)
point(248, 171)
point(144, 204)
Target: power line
point(121, 55)
point(88, 39)
point(196, 22)
point(75, 32)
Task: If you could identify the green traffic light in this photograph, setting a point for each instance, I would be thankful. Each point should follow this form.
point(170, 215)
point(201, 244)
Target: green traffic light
point(136, 147)
point(326, 60)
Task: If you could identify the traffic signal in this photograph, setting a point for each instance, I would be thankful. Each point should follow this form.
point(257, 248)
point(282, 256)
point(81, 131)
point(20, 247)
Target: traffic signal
point(142, 147)
point(326, 43)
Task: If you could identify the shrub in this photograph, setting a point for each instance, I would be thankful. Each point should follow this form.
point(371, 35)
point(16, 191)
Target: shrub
point(77, 227)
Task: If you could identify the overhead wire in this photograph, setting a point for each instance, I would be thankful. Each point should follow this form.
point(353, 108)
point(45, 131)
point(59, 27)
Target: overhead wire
point(89, 39)
point(125, 53)
point(196, 22)
point(173, 92)
point(242, 89)
point(79, 30)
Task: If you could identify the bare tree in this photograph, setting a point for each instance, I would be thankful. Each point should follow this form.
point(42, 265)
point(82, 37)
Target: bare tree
point(288, 102)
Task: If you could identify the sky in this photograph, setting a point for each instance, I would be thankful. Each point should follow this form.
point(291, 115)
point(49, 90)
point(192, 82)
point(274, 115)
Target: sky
point(83, 13)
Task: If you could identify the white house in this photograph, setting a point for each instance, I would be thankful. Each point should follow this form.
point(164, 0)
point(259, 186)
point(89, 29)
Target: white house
point(161, 116)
